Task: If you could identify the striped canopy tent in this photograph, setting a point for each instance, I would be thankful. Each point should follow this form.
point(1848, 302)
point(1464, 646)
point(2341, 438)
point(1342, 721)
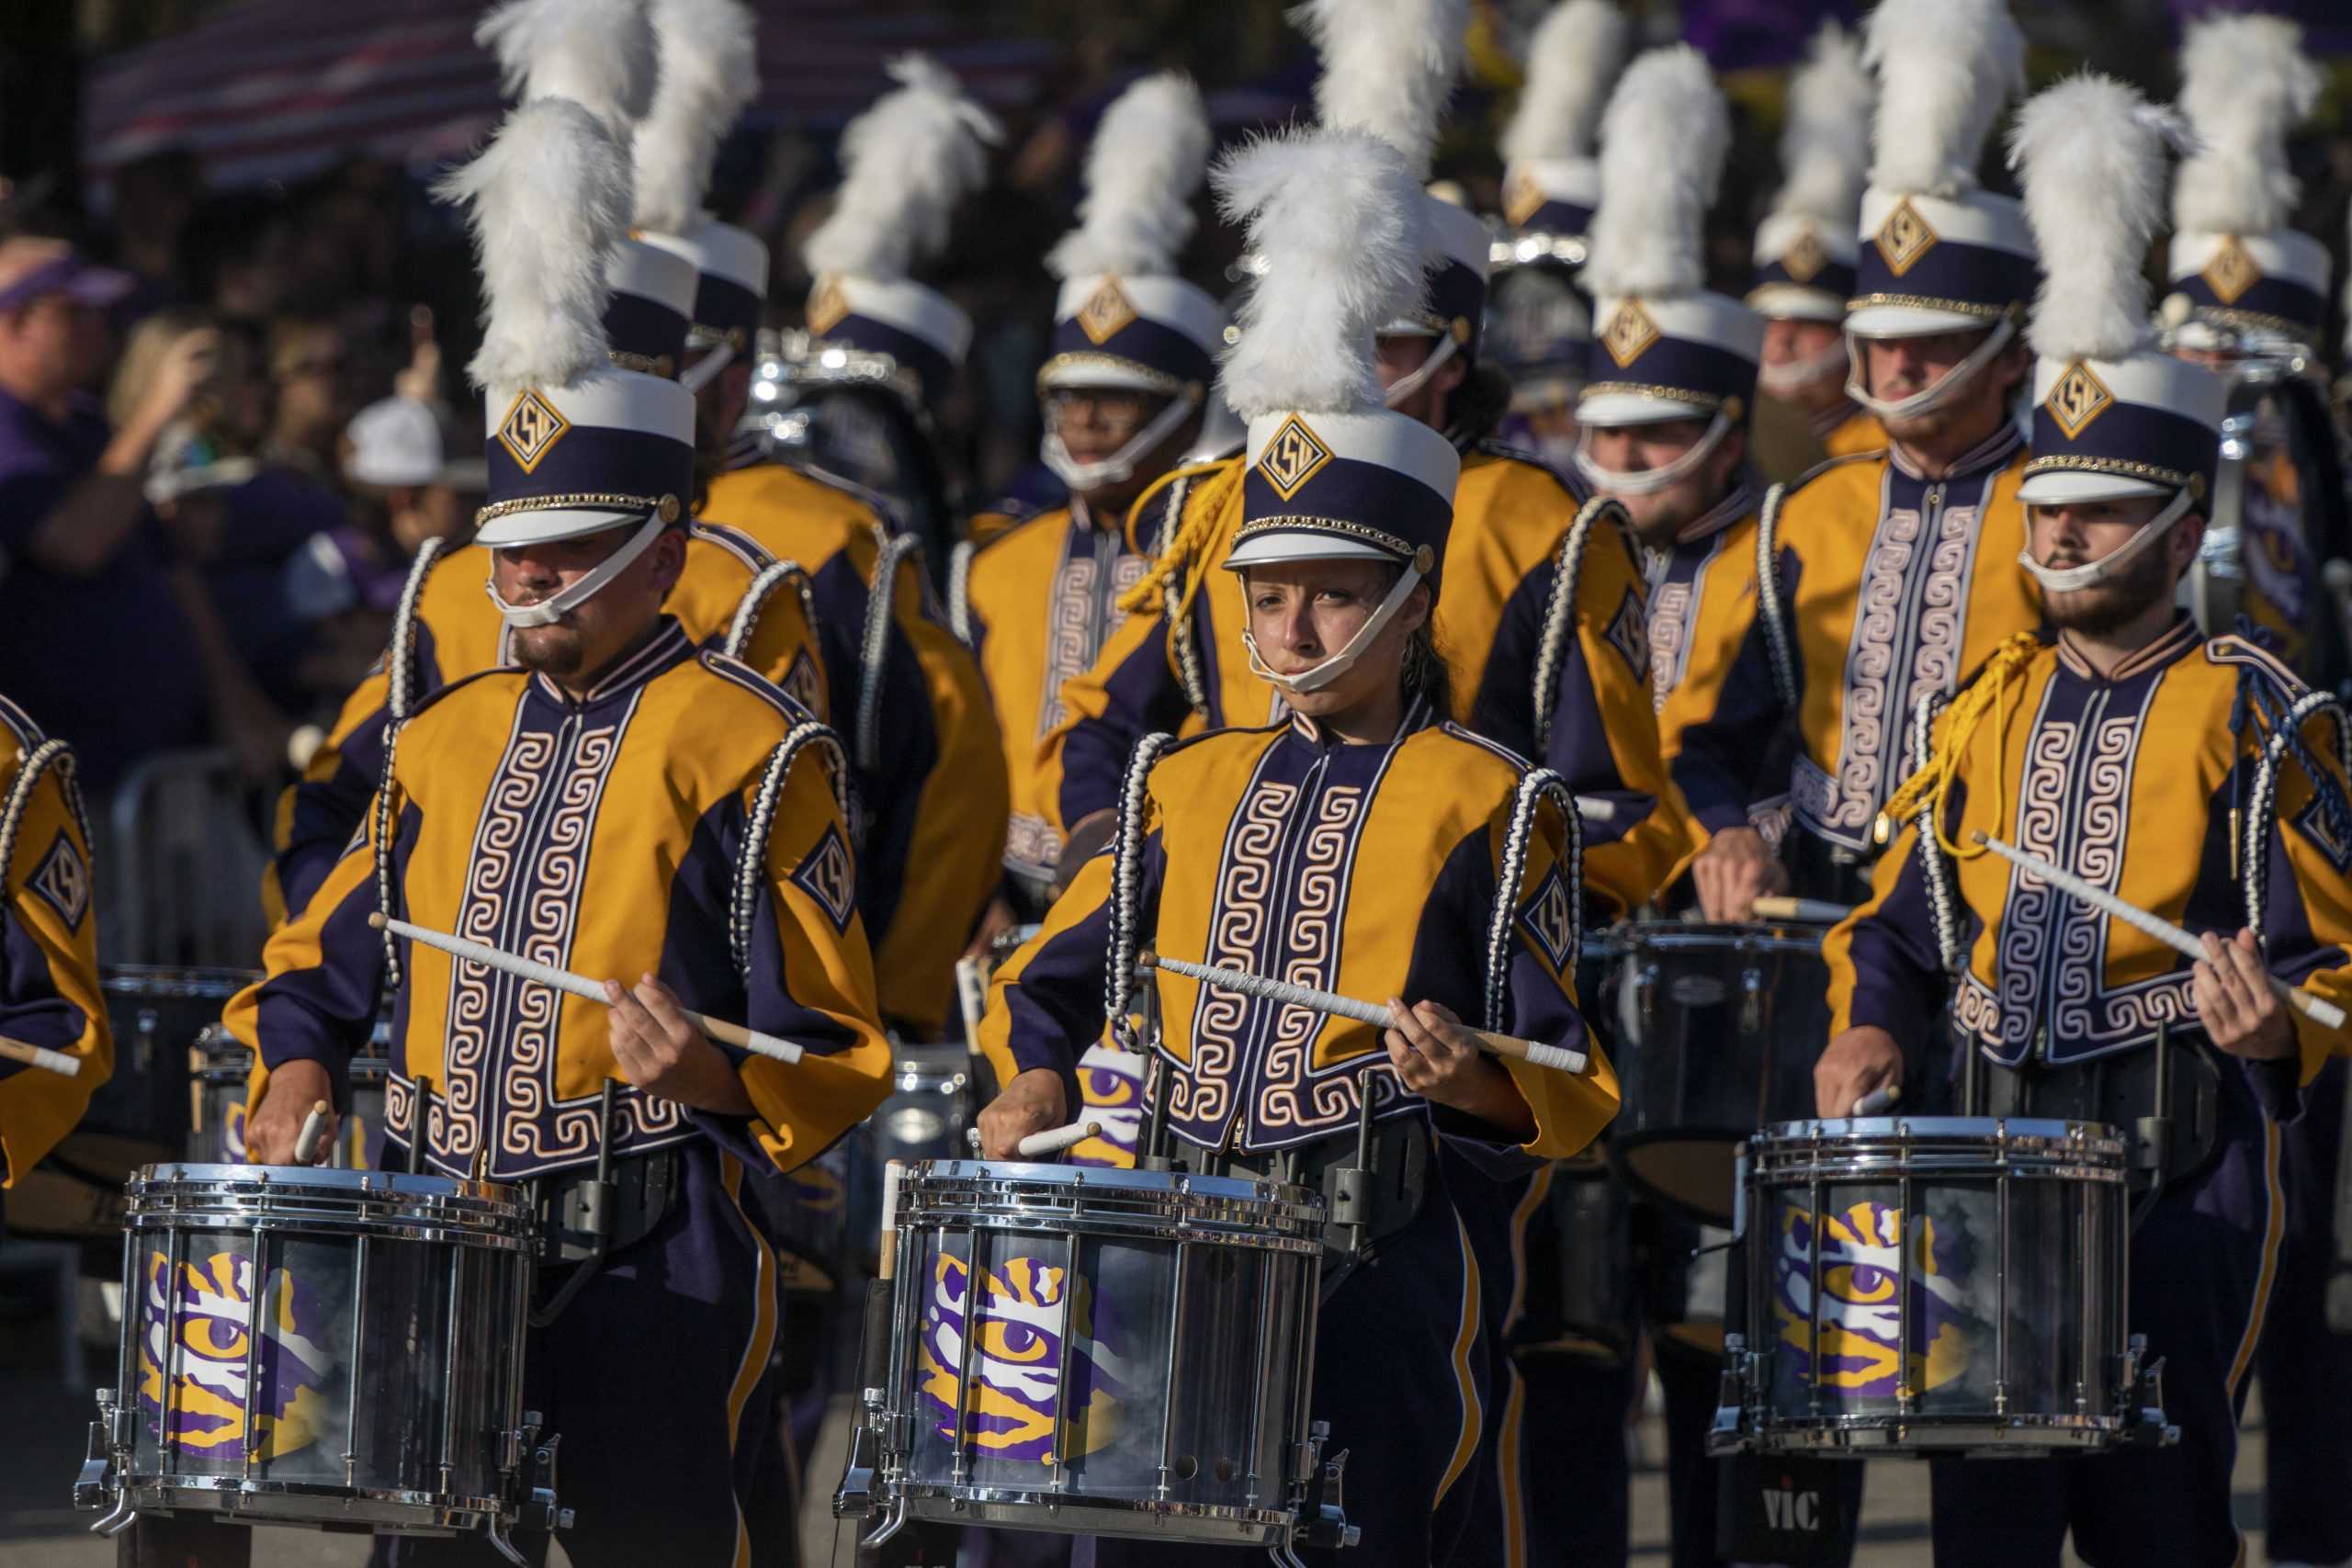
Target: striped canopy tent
point(272, 90)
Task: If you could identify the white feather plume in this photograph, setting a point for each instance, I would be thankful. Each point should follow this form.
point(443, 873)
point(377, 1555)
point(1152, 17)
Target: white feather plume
point(598, 53)
point(1575, 52)
point(2245, 84)
point(1148, 157)
point(1825, 143)
point(1389, 67)
point(546, 201)
point(906, 162)
point(1663, 140)
point(1945, 69)
point(2090, 155)
point(710, 70)
point(1343, 225)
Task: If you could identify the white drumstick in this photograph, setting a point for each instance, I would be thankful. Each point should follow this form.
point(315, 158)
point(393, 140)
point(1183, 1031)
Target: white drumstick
point(1592, 808)
point(1052, 1141)
point(1878, 1100)
point(1559, 1057)
point(1813, 911)
point(2326, 1014)
point(39, 1056)
point(314, 1135)
point(564, 980)
point(886, 1254)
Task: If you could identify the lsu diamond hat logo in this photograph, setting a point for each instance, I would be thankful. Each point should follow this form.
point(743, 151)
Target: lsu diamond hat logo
point(1522, 197)
point(828, 307)
point(2078, 398)
point(2231, 271)
point(1292, 457)
point(530, 428)
point(1904, 238)
point(1804, 261)
point(1630, 331)
point(1106, 313)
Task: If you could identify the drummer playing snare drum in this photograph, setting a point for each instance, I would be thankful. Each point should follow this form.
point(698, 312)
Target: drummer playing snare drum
point(2193, 778)
point(1357, 847)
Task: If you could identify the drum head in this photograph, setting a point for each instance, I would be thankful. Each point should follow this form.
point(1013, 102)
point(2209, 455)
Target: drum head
point(1692, 1176)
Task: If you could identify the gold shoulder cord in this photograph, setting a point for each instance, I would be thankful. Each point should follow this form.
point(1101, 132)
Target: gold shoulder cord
point(1931, 781)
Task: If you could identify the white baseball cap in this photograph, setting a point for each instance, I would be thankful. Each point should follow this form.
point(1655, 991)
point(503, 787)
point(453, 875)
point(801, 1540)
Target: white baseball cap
point(398, 441)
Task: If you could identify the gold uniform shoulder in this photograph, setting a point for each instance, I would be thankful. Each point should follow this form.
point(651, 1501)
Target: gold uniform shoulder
point(787, 513)
point(1840, 490)
point(1019, 557)
point(1479, 770)
point(1186, 765)
point(19, 738)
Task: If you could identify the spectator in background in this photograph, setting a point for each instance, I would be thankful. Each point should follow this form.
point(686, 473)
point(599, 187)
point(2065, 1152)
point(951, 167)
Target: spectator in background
point(154, 197)
point(308, 370)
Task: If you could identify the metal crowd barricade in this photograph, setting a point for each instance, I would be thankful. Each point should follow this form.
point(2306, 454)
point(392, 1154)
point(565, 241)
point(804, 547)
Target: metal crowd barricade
point(181, 865)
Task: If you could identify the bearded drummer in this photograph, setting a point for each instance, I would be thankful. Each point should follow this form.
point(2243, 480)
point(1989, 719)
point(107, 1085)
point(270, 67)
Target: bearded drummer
point(1883, 575)
point(625, 805)
point(2191, 777)
point(55, 1048)
point(1360, 846)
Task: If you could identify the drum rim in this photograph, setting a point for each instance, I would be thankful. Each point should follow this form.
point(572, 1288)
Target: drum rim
point(2012, 1130)
point(1628, 936)
point(214, 1196)
point(1070, 1505)
point(168, 980)
point(1238, 1188)
point(410, 1501)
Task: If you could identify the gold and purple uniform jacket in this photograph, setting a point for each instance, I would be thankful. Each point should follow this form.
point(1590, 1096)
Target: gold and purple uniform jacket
point(1848, 431)
point(1370, 869)
point(1035, 604)
point(49, 945)
point(446, 628)
point(682, 819)
point(908, 699)
point(2149, 784)
point(1511, 517)
point(1886, 586)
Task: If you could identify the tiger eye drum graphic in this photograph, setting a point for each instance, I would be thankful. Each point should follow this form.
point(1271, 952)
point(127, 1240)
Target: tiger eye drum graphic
point(1936, 1284)
point(1108, 1352)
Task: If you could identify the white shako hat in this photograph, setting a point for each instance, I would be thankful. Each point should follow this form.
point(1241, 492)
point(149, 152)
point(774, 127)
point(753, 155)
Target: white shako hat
point(1937, 254)
point(1663, 346)
point(1388, 70)
point(1805, 247)
point(1551, 175)
point(2234, 268)
point(2114, 415)
point(710, 73)
point(1123, 318)
point(905, 162)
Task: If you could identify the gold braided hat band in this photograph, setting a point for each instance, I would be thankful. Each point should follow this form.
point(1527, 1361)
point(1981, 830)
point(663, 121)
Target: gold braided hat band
point(1932, 780)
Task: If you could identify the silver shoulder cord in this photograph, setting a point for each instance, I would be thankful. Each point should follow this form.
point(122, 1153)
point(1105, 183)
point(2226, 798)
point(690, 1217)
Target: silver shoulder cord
point(1560, 611)
point(1936, 866)
point(746, 623)
point(51, 753)
point(2262, 811)
point(959, 591)
point(399, 671)
point(881, 599)
point(751, 858)
point(1127, 887)
point(1768, 595)
point(1537, 786)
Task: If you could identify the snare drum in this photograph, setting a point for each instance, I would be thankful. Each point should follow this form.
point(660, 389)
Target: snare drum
point(221, 1074)
point(1936, 1284)
point(322, 1347)
point(1717, 1030)
point(1135, 1360)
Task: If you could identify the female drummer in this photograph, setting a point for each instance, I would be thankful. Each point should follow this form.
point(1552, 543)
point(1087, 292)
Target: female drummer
point(1364, 847)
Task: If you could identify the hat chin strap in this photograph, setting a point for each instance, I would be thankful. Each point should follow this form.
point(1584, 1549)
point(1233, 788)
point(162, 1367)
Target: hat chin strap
point(1404, 387)
point(1650, 481)
point(556, 605)
point(1798, 374)
point(704, 371)
point(1316, 677)
point(1120, 466)
point(1936, 393)
point(2091, 573)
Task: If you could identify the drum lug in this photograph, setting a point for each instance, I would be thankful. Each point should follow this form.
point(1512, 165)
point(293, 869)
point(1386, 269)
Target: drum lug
point(1322, 1513)
point(2143, 1384)
point(855, 1496)
point(1729, 1434)
point(540, 1511)
point(110, 1435)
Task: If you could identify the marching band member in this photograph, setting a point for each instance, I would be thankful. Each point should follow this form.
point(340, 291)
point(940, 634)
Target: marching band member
point(1170, 664)
point(905, 691)
point(1134, 352)
point(2244, 285)
point(444, 627)
point(50, 1000)
point(1887, 575)
point(2191, 777)
point(1539, 320)
point(1805, 251)
point(622, 804)
point(1363, 843)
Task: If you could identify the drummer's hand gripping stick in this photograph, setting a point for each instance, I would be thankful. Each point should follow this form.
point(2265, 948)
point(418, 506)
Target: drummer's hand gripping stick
point(2324, 1013)
point(1560, 1058)
point(1052, 1141)
point(312, 1141)
point(564, 980)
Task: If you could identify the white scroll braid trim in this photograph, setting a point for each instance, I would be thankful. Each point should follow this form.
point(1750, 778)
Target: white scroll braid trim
point(1768, 595)
point(959, 591)
point(1559, 1058)
point(1560, 609)
point(1535, 787)
point(752, 858)
point(399, 664)
point(1126, 883)
point(755, 598)
point(881, 600)
point(387, 816)
point(51, 753)
point(2255, 833)
point(1182, 652)
point(1936, 866)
